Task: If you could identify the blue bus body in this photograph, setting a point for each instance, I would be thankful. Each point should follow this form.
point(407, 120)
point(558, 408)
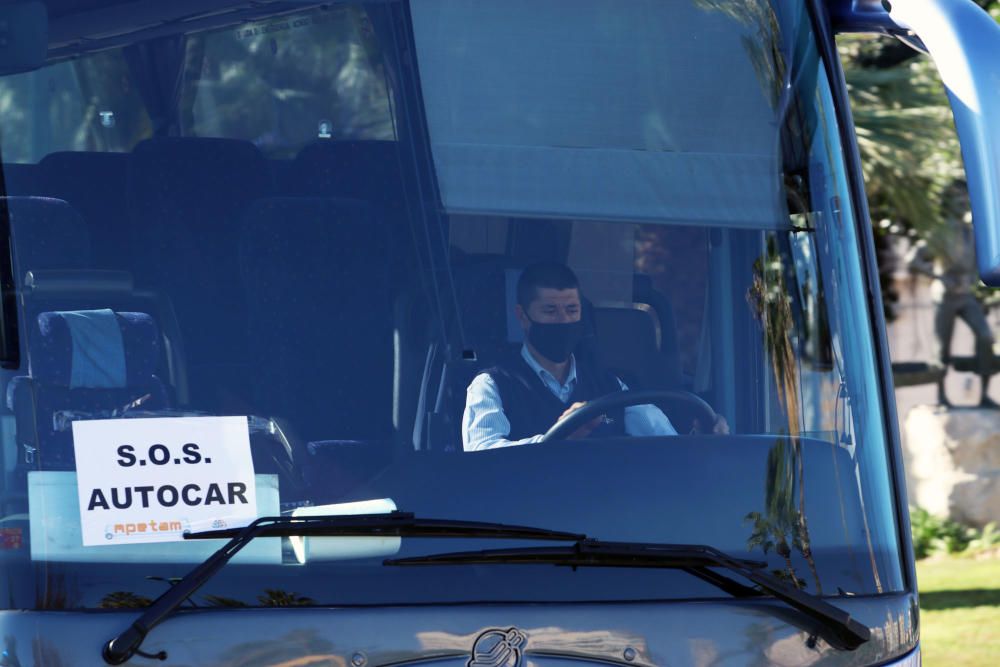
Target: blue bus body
point(287, 237)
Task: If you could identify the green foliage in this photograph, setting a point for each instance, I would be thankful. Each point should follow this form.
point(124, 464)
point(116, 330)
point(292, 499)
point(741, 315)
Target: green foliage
point(124, 600)
point(272, 82)
point(909, 150)
point(274, 597)
point(987, 539)
point(935, 535)
point(220, 601)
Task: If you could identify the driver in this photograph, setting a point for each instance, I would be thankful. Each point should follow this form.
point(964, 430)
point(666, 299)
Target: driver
point(518, 400)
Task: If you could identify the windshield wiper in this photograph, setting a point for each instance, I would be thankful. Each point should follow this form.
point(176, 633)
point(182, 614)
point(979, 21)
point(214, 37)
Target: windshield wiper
point(841, 630)
point(397, 524)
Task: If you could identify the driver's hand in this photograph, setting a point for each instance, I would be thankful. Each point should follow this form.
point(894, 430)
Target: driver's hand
point(720, 427)
point(584, 430)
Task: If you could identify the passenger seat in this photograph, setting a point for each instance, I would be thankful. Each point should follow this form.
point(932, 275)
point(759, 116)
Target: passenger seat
point(46, 234)
point(366, 170)
point(316, 274)
point(94, 362)
point(628, 345)
point(54, 272)
point(93, 184)
point(186, 199)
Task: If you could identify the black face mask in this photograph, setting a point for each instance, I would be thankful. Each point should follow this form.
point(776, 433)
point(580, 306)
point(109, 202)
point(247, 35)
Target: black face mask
point(555, 341)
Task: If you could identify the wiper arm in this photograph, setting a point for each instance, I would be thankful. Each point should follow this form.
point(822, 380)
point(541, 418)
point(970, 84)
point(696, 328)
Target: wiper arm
point(843, 631)
point(397, 524)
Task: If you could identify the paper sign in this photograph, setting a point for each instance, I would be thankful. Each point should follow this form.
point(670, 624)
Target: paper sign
point(148, 480)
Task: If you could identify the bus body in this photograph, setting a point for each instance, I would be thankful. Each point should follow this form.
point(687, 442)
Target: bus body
point(257, 252)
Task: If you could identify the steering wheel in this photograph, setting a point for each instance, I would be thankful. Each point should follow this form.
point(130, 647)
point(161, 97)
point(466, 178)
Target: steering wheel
point(621, 399)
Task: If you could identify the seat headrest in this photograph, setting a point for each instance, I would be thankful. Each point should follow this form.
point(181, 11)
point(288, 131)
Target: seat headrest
point(192, 171)
point(47, 234)
point(628, 342)
point(487, 292)
point(79, 169)
point(96, 349)
point(201, 152)
point(366, 168)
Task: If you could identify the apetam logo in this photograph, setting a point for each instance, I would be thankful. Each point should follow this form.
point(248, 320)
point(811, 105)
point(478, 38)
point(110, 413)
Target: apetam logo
point(144, 528)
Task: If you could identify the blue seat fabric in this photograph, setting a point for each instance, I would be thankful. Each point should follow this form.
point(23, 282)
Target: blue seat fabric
point(37, 399)
point(22, 179)
point(186, 200)
point(94, 185)
point(367, 170)
point(47, 234)
point(316, 274)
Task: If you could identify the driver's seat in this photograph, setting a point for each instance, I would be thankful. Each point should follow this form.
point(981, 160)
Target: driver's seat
point(625, 339)
point(627, 343)
point(485, 287)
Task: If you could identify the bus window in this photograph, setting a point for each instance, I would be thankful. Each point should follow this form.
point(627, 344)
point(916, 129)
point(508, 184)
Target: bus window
point(286, 82)
point(91, 104)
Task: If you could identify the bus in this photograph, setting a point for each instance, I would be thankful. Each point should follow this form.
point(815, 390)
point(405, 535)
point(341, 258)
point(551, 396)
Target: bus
point(448, 332)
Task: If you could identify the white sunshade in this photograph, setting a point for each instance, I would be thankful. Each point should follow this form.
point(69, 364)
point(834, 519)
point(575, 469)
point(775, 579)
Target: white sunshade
point(642, 110)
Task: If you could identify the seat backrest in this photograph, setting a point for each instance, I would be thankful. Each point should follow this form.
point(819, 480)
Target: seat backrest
point(355, 169)
point(186, 200)
point(47, 234)
point(485, 288)
point(53, 261)
point(316, 274)
point(628, 345)
point(663, 312)
point(84, 364)
point(93, 183)
point(23, 179)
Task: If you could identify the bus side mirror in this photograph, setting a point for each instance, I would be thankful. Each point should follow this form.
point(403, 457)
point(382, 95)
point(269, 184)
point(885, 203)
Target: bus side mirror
point(964, 42)
point(24, 37)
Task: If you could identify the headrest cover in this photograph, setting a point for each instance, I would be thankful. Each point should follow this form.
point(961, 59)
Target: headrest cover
point(95, 349)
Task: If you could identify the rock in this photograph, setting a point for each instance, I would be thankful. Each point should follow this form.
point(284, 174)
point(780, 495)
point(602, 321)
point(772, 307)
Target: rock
point(952, 460)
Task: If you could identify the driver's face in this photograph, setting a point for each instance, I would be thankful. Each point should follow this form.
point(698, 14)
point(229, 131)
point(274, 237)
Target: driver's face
point(551, 306)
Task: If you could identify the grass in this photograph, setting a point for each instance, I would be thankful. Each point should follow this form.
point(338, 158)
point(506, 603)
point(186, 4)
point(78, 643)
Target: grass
point(959, 611)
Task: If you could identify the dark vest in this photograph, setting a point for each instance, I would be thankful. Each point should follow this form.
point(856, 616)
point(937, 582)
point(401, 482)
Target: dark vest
point(532, 409)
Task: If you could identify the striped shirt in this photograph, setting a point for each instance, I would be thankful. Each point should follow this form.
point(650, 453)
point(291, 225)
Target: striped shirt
point(485, 426)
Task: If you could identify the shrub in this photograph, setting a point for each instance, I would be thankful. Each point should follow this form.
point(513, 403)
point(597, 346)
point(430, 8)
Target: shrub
point(932, 534)
point(987, 539)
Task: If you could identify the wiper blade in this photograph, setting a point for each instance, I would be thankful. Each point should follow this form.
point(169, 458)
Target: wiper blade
point(397, 524)
point(394, 524)
point(842, 631)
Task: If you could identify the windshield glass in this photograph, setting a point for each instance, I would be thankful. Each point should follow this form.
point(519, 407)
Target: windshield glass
point(276, 258)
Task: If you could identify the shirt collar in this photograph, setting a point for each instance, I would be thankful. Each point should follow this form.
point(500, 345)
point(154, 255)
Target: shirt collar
point(544, 374)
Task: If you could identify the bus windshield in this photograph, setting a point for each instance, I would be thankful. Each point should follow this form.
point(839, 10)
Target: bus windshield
point(378, 249)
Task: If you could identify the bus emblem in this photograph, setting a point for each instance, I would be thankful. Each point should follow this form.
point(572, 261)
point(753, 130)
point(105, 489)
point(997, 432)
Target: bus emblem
point(498, 648)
